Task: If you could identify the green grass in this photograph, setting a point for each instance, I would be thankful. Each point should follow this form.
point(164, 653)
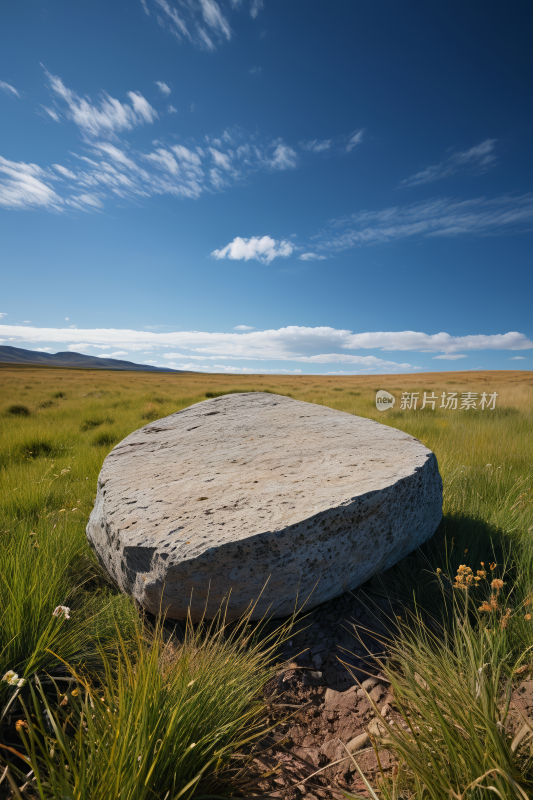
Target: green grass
point(163, 721)
point(50, 457)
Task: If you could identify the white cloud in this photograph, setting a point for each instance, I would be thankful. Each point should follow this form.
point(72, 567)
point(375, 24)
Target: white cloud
point(476, 159)
point(67, 319)
point(106, 118)
point(43, 349)
point(113, 355)
point(255, 71)
point(10, 90)
point(317, 146)
point(255, 7)
point(319, 345)
point(51, 113)
point(27, 186)
point(171, 109)
point(220, 159)
point(451, 356)
point(311, 257)
point(355, 139)
point(243, 328)
point(284, 157)
point(119, 173)
point(142, 107)
point(260, 248)
point(149, 362)
point(163, 88)
point(436, 217)
point(3, 314)
point(517, 358)
point(64, 171)
point(198, 21)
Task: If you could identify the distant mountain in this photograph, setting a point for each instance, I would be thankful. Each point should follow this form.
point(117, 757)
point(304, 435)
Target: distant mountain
point(16, 355)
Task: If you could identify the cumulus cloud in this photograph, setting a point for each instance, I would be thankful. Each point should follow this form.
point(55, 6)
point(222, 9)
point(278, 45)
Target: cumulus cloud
point(163, 87)
point(311, 257)
point(243, 328)
point(260, 248)
point(107, 117)
point(476, 159)
point(10, 90)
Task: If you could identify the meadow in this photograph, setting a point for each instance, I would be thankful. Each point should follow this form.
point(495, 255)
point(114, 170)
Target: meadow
point(174, 718)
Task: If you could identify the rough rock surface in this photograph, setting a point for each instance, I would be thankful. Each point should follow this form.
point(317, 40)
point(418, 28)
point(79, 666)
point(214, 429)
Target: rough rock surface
point(247, 487)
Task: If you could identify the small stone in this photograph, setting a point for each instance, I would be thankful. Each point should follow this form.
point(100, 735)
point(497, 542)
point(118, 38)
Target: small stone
point(377, 728)
point(311, 678)
point(377, 693)
point(357, 742)
point(386, 710)
point(369, 683)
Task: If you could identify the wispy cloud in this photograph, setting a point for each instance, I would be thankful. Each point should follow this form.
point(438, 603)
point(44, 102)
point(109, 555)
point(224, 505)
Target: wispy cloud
point(255, 7)
point(311, 257)
point(355, 139)
point(243, 328)
point(51, 113)
point(518, 358)
point(255, 71)
point(171, 109)
point(260, 248)
point(317, 146)
point(107, 117)
point(284, 157)
point(474, 160)
point(451, 356)
point(436, 217)
point(163, 87)
point(10, 90)
point(199, 22)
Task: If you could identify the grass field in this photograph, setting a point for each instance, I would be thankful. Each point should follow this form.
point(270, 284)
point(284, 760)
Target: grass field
point(58, 425)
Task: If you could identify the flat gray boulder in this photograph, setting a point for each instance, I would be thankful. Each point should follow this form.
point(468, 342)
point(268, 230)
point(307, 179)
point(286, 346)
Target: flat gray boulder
point(250, 489)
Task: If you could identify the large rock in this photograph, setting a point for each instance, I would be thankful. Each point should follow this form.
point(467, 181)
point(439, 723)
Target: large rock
point(245, 488)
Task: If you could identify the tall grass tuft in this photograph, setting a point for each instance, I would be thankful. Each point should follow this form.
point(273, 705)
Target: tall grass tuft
point(163, 722)
point(452, 685)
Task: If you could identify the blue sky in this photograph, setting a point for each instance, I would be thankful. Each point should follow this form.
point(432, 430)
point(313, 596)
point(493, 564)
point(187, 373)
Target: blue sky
point(262, 186)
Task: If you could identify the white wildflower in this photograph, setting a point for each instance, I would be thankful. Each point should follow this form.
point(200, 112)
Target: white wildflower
point(11, 678)
point(61, 611)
